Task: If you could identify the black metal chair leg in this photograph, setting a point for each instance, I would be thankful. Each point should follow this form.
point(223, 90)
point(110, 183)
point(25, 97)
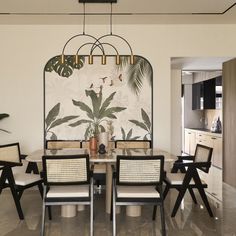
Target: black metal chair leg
point(20, 192)
point(49, 213)
point(205, 200)
point(17, 203)
point(192, 195)
point(178, 202)
point(40, 187)
point(154, 212)
point(163, 224)
point(166, 190)
point(32, 167)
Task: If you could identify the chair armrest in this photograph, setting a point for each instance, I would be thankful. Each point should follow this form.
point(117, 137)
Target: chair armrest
point(192, 164)
point(10, 164)
point(23, 156)
point(182, 158)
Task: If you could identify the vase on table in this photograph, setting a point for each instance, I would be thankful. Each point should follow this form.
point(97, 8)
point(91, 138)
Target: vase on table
point(93, 144)
point(103, 139)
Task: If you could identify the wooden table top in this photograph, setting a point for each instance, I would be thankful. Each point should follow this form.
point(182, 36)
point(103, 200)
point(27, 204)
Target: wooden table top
point(108, 157)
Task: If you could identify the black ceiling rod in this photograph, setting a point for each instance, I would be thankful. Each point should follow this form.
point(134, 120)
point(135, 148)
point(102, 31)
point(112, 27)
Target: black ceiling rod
point(97, 1)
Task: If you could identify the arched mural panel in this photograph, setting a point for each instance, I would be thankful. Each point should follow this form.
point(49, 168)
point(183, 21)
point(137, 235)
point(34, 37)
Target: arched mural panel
point(81, 98)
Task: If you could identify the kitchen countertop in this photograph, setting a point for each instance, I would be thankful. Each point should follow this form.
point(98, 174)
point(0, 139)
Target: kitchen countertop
point(209, 132)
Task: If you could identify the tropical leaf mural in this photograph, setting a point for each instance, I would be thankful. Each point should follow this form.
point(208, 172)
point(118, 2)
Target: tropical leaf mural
point(66, 68)
point(3, 116)
point(128, 136)
point(98, 113)
point(144, 124)
point(52, 120)
point(112, 98)
point(137, 72)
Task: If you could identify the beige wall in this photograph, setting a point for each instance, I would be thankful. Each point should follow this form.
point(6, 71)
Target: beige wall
point(26, 49)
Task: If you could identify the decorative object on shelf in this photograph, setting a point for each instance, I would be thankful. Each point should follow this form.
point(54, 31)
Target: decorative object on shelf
point(216, 126)
point(102, 149)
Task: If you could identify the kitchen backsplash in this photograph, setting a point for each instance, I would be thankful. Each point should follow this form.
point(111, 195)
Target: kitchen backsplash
point(210, 116)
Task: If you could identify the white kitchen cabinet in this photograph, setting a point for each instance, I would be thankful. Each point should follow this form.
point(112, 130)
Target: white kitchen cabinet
point(217, 152)
point(203, 139)
point(190, 141)
point(216, 188)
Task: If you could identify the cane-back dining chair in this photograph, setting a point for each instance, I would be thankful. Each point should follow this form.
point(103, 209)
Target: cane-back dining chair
point(138, 181)
point(67, 180)
point(61, 144)
point(184, 176)
point(133, 144)
point(12, 174)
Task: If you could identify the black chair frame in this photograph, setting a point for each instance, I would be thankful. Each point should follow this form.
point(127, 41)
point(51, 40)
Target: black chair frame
point(136, 201)
point(67, 200)
point(191, 173)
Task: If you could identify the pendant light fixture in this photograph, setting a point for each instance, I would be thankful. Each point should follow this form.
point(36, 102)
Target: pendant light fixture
point(99, 43)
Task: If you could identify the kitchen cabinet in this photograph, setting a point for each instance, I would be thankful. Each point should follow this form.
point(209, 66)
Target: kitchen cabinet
point(216, 144)
point(207, 94)
point(203, 139)
point(214, 177)
point(190, 141)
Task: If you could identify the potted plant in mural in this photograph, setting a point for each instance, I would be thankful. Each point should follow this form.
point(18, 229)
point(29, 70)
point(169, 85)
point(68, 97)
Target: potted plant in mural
point(137, 72)
point(66, 68)
point(99, 113)
point(144, 124)
point(129, 135)
point(2, 116)
point(53, 121)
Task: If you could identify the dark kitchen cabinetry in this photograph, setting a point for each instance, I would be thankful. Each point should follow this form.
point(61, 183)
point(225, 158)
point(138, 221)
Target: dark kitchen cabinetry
point(206, 95)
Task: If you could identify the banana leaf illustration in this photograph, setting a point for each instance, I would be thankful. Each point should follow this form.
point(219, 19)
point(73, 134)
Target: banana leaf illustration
point(144, 124)
point(64, 69)
point(52, 120)
point(137, 72)
point(99, 113)
point(128, 136)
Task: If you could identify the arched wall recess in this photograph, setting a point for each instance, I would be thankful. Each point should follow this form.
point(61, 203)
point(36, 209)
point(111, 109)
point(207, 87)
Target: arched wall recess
point(110, 97)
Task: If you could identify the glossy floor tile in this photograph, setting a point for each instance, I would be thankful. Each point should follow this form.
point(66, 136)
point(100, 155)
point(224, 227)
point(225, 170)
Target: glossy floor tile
point(192, 220)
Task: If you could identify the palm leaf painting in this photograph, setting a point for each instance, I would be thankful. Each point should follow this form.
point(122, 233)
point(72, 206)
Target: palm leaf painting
point(64, 69)
point(128, 136)
point(3, 116)
point(52, 120)
point(99, 113)
point(137, 72)
point(144, 124)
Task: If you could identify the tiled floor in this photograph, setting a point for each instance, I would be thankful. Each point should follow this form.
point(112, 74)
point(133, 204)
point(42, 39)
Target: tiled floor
point(193, 220)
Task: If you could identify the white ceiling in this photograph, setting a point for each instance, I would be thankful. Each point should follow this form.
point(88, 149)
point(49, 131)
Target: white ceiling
point(125, 11)
point(198, 63)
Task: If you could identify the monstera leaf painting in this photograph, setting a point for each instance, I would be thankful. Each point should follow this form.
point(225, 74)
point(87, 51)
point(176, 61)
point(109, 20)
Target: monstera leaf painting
point(52, 121)
point(66, 68)
point(144, 124)
point(2, 116)
point(99, 113)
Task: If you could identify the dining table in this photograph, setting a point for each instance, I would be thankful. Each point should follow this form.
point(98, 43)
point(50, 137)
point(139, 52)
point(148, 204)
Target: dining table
point(109, 159)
